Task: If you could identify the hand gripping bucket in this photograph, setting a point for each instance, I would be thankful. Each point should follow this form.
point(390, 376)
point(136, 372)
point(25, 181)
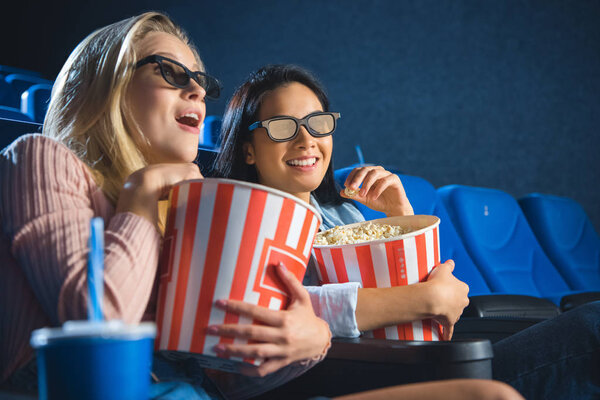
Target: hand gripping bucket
point(223, 240)
point(396, 261)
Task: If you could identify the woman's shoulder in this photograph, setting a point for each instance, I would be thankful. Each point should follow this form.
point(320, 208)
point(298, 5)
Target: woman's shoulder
point(37, 148)
point(35, 156)
point(35, 141)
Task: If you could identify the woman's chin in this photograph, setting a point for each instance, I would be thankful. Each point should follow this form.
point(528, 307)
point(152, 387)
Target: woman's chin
point(185, 157)
point(175, 159)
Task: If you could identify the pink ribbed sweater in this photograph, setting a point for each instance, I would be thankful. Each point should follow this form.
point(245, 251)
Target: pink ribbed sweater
point(47, 198)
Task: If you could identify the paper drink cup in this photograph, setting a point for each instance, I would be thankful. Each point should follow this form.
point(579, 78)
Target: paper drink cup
point(94, 360)
point(397, 261)
point(223, 240)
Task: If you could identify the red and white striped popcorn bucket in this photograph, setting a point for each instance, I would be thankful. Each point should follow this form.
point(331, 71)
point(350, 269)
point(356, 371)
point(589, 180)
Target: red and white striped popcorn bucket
point(222, 241)
point(397, 261)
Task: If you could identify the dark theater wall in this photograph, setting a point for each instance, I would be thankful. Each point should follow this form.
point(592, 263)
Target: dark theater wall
point(501, 94)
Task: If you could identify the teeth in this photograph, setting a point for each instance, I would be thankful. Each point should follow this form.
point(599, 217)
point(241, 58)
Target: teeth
point(191, 115)
point(303, 163)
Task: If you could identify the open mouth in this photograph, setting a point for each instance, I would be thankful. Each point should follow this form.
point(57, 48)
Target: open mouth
point(305, 162)
point(189, 119)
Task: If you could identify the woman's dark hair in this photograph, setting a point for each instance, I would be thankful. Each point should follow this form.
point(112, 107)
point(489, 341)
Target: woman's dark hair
point(243, 110)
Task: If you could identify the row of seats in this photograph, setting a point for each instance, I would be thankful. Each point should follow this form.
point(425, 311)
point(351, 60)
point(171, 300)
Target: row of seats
point(24, 94)
point(541, 245)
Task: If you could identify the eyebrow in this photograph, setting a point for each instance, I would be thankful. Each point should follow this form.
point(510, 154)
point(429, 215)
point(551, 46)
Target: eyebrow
point(195, 67)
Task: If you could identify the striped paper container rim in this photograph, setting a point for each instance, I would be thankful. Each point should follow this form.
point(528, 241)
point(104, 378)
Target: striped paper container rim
point(431, 220)
point(260, 187)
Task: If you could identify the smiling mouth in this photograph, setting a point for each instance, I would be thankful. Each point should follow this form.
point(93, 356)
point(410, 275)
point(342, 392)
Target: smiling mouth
point(190, 119)
point(307, 162)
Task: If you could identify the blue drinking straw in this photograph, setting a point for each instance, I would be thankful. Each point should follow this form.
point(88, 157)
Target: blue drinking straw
point(96, 270)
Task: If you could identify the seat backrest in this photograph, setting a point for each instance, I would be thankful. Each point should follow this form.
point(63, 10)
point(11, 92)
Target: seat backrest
point(567, 236)
point(22, 82)
point(8, 96)
point(11, 129)
point(13, 113)
point(205, 159)
point(34, 101)
point(210, 131)
point(452, 247)
point(499, 240)
point(424, 199)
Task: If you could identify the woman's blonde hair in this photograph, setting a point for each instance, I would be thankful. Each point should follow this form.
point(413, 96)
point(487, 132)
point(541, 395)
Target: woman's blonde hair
point(88, 111)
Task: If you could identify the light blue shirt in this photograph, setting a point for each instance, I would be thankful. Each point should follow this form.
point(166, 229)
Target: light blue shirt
point(337, 215)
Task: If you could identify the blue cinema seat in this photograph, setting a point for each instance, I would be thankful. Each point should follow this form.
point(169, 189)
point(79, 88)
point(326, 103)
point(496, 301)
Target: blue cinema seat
point(11, 129)
point(205, 159)
point(34, 101)
point(14, 114)
point(8, 95)
point(22, 82)
point(567, 236)
point(497, 236)
point(210, 131)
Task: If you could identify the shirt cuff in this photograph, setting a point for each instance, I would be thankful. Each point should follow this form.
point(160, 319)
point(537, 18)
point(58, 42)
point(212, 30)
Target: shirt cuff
point(336, 304)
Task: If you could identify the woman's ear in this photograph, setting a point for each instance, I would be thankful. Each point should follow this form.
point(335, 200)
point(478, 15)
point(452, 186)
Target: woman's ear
point(248, 153)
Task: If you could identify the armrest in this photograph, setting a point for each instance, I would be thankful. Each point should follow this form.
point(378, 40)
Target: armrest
point(497, 316)
point(509, 306)
point(409, 352)
point(491, 328)
point(571, 301)
point(355, 365)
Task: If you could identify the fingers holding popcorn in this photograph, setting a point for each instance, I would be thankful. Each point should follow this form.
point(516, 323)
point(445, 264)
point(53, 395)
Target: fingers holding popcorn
point(356, 177)
point(378, 189)
point(350, 192)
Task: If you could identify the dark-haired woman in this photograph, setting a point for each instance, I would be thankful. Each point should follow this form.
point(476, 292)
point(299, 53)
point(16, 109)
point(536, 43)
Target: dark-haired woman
point(277, 131)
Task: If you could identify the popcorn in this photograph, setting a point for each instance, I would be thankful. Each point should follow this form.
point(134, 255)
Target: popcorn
point(339, 235)
point(350, 192)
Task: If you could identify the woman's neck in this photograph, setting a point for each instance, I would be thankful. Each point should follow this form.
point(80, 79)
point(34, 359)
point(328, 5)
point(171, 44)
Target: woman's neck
point(303, 196)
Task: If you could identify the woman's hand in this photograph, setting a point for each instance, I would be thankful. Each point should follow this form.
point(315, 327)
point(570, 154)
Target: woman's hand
point(286, 336)
point(145, 187)
point(381, 190)
point(448, 296)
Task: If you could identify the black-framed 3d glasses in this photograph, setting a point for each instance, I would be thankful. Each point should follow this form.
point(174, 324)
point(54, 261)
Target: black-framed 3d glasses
point(284, 128)
point(178, 75)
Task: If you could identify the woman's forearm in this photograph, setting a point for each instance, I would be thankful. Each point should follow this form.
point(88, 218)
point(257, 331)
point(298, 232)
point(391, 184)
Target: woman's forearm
point(379, 307)
point(137, 200)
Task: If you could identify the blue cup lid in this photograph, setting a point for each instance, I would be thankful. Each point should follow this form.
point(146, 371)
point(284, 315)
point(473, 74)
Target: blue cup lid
point(113, 329)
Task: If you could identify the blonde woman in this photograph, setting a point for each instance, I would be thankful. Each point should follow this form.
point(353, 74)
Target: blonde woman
point(122, 127)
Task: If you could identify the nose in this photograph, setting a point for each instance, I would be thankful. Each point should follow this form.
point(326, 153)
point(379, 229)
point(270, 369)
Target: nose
point(194, 91)
point(305, 140)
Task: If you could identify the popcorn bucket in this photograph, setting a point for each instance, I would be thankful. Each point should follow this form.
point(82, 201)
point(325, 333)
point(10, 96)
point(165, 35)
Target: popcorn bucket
point(396, 261)
point(223, 240)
